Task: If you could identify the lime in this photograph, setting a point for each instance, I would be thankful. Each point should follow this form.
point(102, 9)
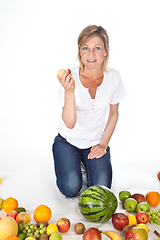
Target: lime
point(22, 236)
point(21, 209)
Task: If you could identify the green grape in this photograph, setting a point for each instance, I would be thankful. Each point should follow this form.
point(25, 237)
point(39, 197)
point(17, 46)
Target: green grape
point(26, 227)
point(29, 230)
point(41, 225)
point(24, 231)
point(32, 226)
point(23, 223)
point(41, 231)
point(30, 235)
point(37, 231)
point(153, 215)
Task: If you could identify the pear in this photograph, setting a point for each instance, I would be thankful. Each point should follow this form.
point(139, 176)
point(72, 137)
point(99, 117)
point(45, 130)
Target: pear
point(1, 201)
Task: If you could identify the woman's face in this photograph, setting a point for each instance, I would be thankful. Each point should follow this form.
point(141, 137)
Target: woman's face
point(92, 53)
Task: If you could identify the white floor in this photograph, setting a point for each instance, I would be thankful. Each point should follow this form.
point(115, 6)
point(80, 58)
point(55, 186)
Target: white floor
point(32, 182)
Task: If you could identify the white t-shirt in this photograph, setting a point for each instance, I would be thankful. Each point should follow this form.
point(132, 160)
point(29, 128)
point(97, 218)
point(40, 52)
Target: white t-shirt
point(91, 113)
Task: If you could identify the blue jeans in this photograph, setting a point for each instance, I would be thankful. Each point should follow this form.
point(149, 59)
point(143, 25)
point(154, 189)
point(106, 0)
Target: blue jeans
point(67, 163)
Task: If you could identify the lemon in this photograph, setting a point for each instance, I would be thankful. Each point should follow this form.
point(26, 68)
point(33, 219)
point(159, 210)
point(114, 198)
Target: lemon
point(142, 225)
point(51, 228)
point(1, 179)
point(132, 219)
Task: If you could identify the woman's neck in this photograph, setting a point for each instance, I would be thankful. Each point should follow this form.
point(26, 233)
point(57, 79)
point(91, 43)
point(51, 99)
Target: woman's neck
point(92, 74)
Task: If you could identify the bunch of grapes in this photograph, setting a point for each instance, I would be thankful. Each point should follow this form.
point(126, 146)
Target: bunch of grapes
point(154, 216)
point(31, 230)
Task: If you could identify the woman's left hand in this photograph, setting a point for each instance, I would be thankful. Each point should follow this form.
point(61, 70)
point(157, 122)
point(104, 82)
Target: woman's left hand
point(97, 151)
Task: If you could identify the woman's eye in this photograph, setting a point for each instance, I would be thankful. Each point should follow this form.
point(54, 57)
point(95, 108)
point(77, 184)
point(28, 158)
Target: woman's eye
point(97, 48)
point(85, 48)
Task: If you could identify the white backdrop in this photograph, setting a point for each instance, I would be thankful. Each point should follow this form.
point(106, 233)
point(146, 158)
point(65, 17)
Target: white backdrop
point(37, 38)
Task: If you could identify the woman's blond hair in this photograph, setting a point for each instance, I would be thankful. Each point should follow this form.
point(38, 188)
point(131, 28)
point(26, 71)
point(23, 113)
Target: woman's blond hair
point(88, 33)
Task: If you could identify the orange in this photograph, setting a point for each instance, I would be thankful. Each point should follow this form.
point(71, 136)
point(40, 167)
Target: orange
point(12, 238)
point(153, 198)
point(10, 204)
point(42, 213)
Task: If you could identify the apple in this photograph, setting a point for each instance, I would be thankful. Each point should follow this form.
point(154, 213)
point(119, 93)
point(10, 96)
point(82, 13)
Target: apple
point(136, 233)
point(143, 207)
point(61, 72)
point(92, 234)
point(119, 220)
point(139, 197)
point(55, 236)
point(30, 238)
point(63, 225)
point(158, 175)
point(124, 195)
point(12, 214)
point(123, 202)
point(130, 204)
point(23, 216)
point(142, 217)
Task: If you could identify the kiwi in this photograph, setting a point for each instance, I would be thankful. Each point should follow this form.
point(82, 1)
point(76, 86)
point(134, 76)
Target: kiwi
point(79, 228)
point(126, 228)
point(44, 237)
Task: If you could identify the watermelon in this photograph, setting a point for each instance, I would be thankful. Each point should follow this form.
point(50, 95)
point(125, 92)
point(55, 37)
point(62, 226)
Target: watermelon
point(97, 203)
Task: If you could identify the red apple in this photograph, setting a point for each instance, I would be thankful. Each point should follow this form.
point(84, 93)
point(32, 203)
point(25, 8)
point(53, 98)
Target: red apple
point(63, 225)
point(92, 234)
point(61, 72)
point(158, 175)
point(123, 203)
point(136, 233)
point(142, 217)
point(139, 197)
point(23, 216)
point(119, 220)
point(12, 214)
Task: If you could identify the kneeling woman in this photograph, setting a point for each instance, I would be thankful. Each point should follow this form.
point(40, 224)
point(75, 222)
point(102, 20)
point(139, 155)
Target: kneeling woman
point(90, 97)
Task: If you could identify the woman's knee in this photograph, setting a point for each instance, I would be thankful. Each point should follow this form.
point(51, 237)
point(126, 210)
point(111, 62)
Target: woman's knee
point(71, 185)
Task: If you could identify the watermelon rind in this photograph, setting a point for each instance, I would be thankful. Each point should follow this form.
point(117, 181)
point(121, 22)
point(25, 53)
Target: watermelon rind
point(97, 203)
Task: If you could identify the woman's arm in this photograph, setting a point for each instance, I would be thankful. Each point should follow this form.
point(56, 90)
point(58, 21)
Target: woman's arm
point(99, 150)
point(69, 114)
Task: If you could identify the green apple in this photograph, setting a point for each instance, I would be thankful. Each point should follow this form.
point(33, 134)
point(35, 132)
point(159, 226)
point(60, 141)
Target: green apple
point(55, 236)
point(143, 207)
point(130, 204)
point(124, 195)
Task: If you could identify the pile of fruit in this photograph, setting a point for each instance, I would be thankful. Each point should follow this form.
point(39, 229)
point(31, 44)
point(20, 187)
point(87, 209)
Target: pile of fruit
point(16, 225)
point(96, 204)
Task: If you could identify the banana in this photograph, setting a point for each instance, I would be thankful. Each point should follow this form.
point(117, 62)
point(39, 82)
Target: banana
point(1, 201)
point(157, 234)
point(113, 235)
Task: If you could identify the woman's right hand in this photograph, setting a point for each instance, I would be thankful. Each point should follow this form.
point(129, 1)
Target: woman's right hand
point(67, 81)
